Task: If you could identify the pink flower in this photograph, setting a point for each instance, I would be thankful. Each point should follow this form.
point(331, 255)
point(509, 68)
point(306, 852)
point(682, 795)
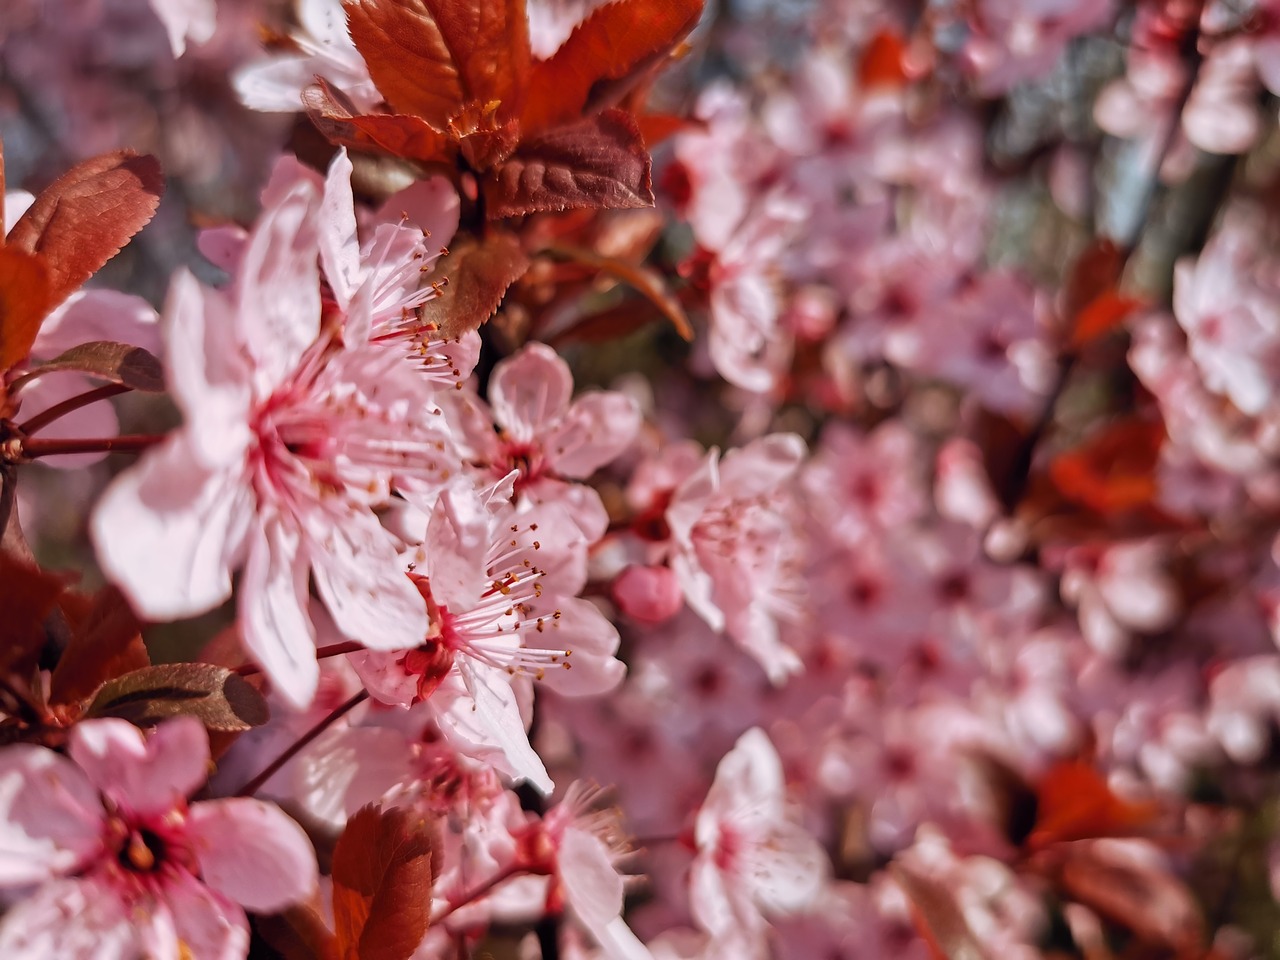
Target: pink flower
point(751, 859)
point(545, 435)
point(580, 843)
point(736, 546)
point(1221, 115)
point(125, 866)
point(290, 442)
point(185, 20)
point(324, 48)
point(499, 586)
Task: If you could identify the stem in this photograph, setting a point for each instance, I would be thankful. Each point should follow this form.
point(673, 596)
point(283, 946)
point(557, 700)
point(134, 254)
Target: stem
point(42, 420)
point(322, 653)
point(31, 449)
point(250, 788)
point(471, 896)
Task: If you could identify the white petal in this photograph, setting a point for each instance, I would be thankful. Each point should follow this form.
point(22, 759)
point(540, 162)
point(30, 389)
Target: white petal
point(274, 624)
point(168, 532)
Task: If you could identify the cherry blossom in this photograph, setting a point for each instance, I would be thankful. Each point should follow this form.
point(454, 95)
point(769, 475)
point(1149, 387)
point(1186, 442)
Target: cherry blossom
point(734, 550)
point(499, 587)
point(125, 865)
point(288, 444)
point(543, 433)
point(751, 859)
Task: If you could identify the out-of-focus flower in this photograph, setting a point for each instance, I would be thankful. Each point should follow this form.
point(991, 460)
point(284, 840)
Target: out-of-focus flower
point(323, 48)
point(737, 546)
point(752, 861)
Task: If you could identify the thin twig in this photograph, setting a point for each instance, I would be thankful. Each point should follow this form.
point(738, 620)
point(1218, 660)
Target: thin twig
point(34, 448)
point(252, 787)
point(59, 410)
point(322, 653)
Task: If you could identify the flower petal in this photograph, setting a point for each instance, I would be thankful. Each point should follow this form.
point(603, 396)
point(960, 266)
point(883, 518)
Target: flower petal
point(70, 920)
point(530, 391)
point(275, 627)
point(364, 585)
point(207, 925)
point(144, 775)
point(591, 885)
point(50, 816)
point(596, 430)
point(252, 853)
point(168, 532)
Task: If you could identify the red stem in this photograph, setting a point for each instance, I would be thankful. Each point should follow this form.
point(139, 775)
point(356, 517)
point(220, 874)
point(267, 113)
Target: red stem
point(34, 448)
point(250, 788)
point(322, 653)
point(471, 896)
point(59, 410)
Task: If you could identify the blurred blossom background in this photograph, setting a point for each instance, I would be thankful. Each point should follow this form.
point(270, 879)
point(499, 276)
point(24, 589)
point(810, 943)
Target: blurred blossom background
point(965, 492)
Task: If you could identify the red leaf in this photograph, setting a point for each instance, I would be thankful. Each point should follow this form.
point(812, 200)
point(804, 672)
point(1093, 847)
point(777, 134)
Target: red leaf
point(384, 867)
point(27, 596)
point(24, 302)
point(656, 127)
point(616, 43)
point(1075, 803)
point(1136, 895)
point(334, 115)
point(1101, 315)
point(432, 57)
point(1095, 271)
point(106, 643)
point(473, 279)
point(3, 229)
point(83, 218)
point(883, 62)
point(1115, 471)
point(299, 933)
point(600, 162)
point(640, 278)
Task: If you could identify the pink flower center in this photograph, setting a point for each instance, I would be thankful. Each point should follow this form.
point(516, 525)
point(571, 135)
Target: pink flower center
point(523, 456)
point(145, 853)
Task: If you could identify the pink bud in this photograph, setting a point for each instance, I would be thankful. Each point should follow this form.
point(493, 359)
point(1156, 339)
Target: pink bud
point(648, 594)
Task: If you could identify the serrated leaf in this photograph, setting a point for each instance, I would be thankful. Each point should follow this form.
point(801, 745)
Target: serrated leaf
point(600, 162)
point(87, 215)
point(473, 279)
point(336, 118)
point(618, 42)
point(106, 642)
point(24, 302)
point(117, 362)
point(433, 57)
point(384, 866)
point(222, 700)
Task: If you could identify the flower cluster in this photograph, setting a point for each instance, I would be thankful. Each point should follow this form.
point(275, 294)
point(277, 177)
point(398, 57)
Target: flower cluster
point(612, 481)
